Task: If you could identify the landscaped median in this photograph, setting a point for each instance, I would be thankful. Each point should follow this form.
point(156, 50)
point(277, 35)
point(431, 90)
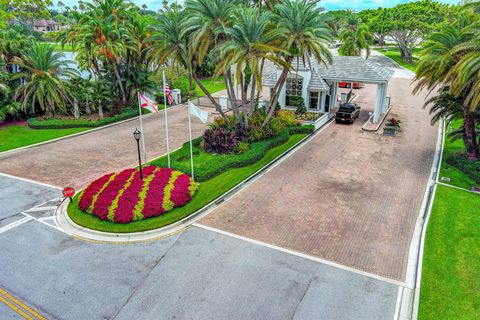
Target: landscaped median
point(215, 173)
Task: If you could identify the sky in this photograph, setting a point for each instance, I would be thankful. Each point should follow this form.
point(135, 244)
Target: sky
point(355, 5)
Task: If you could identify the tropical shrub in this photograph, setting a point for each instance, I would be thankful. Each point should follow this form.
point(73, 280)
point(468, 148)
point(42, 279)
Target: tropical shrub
point(123, 197)
point(209, 165)
point(470, 168)
point(219, 140)
point(54, 123)
point(287, 117)
point(241, 147)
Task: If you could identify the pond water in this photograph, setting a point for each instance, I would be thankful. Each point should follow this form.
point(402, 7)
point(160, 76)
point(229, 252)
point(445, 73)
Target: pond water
point(71, 56)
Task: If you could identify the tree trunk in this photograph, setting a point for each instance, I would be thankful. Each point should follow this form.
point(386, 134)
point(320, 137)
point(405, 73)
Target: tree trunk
point(100, 110)
point(227, 77)
point(120, 85)
point(251, 105)
point(210, 97)
point(408, 57)
point(276, 92)
point(87, 108)
point(471, 143)
point(76, 112)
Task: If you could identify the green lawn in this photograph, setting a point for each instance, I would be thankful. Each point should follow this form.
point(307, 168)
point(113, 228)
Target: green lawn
point(457, 177)
point(394, 54)
point(66, 48)
point(451, 270)
point(16, 136)
point(207, 192)
point(212, 85)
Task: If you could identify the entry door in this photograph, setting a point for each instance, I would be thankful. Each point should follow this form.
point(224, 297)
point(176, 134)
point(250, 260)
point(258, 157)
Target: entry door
point(327, 102)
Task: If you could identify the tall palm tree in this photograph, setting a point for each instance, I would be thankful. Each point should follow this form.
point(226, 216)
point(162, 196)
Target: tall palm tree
point(302, 34)
point(451, 58)
point(249, 42)
point(206, 24)
point(44, 73)
point(354, 36)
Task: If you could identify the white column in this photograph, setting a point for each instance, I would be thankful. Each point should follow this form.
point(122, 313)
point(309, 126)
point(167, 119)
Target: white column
point(379, 101)
point(333, 96)
point(322, 102)
point(283, 96)
point(384, 109)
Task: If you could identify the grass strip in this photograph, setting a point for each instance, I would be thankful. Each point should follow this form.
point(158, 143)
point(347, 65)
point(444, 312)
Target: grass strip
point(451, 264)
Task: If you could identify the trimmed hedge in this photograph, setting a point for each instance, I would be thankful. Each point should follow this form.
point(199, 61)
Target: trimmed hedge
point(209, 165)
point(35, 123)
point(460, 161)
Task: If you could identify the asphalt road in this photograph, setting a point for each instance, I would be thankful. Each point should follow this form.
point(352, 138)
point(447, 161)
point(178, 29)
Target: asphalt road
point(19, 195)
point(196, 275)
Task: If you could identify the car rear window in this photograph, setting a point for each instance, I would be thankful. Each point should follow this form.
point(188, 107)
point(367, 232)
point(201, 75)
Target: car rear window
point(346, 109)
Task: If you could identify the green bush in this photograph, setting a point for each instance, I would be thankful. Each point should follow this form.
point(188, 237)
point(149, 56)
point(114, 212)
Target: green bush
point(35, 123)
point(241, 147)
point(301, 129)
point(461, 162)
point(287, 117)
point(209, 165)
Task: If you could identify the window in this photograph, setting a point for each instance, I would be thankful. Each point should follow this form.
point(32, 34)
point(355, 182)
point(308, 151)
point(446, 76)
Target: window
point(314, 97)
point(294, 88)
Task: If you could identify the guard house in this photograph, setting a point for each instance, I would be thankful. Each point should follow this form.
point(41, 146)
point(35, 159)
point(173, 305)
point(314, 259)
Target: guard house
point(318, 84)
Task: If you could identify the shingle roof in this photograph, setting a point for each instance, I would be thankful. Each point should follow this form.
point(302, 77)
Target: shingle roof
point(349, 69)
point(356, 69)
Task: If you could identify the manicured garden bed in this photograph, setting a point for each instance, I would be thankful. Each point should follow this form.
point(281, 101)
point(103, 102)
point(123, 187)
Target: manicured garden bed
point(63, 123)
point(450, 286)
point(16, 136)
point(125, 197)
point(208, 191)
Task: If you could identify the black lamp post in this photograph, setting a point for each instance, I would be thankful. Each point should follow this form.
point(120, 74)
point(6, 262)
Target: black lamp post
point(136, 135)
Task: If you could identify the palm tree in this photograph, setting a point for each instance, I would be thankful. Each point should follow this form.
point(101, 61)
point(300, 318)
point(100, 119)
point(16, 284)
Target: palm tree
point(101, 94)
point(303, 34)
point(44, 73)
point(206, 24)
point(249, 42)
point(451, 58)
point(354, 36)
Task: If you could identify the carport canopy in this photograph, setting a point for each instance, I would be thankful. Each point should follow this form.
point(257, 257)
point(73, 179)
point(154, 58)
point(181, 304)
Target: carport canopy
point(358, 69)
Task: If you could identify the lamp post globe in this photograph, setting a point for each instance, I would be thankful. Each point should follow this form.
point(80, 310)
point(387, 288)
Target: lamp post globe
point(137, 134)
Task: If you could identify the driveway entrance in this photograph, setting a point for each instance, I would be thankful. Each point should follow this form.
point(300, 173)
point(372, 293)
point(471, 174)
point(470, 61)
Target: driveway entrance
point(347, 196)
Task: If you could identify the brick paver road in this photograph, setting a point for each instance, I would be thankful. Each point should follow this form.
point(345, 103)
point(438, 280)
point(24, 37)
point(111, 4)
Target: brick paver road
point(348, 196)
point(78, 160)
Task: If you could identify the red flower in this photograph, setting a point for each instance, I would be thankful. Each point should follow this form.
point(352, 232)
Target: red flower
point(148, 196)
point(86, 199)
point(105, 199)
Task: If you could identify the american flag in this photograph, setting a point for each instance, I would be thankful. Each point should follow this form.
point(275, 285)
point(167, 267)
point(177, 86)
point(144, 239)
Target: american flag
point(169, 93)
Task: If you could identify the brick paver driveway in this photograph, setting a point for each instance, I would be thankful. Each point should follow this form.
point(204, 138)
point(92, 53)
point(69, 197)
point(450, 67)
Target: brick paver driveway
point(78, 160)
point(348, 196)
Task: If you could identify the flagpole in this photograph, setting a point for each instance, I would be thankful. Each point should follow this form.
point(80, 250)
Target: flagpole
point(190, 137)
point(166, 118)
point(141, 127)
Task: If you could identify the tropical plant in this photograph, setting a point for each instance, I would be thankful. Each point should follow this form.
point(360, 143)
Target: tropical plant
point(43, 76)
point(451, 59)
point(354, 36)
point(302, 34)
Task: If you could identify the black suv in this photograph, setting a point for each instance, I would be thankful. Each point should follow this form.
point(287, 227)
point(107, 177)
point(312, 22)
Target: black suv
point(347, 113)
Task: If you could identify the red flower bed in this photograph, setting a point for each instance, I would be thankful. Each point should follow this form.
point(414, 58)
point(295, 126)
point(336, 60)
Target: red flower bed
point(124, 197)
